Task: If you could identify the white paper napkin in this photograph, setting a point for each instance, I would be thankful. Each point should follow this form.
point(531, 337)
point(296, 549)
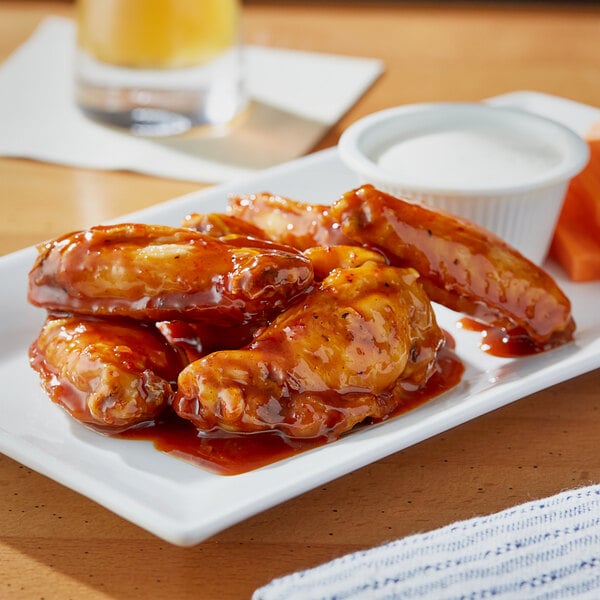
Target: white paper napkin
point(544, 549)
point(296, 98)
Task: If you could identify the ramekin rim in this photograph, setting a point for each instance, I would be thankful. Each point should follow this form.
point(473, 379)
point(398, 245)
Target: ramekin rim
point(577, 153)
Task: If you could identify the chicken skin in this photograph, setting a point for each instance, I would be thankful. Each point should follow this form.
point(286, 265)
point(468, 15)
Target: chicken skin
point(218, 225)
point(348, 351)
point(152, 272)
point(286, 221)
point(325, 259)
point(112, 375)
point(462, 266)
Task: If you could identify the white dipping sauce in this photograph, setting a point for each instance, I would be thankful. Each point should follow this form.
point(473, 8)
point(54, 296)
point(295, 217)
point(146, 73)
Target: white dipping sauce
point(467, 159)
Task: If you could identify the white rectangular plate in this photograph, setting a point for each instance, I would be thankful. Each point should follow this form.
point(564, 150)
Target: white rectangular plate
point(184, 504)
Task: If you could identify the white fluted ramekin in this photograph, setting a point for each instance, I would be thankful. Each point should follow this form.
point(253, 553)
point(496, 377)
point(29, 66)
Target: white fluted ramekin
point(521, 207)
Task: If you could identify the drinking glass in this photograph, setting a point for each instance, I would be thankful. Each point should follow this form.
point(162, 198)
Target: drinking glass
point(159, 67)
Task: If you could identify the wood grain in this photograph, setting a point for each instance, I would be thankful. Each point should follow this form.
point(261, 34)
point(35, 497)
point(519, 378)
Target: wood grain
point(55, 543)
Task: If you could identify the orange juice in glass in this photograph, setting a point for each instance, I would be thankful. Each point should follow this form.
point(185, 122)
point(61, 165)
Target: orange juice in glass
point(159, 67)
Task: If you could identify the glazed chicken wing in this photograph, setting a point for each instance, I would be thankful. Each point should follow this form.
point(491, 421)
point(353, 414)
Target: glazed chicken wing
point(462, 266)
point(109, 374)
point(286, 221)
point(343, 354)
point(152, 272)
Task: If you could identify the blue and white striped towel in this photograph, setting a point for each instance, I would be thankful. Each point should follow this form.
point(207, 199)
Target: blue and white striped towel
point(543, 549)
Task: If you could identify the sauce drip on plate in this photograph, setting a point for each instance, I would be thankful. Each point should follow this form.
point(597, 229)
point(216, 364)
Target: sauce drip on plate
point(503, 343)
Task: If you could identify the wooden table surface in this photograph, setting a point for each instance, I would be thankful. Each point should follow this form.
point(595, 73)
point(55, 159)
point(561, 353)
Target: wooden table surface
point(55, 543)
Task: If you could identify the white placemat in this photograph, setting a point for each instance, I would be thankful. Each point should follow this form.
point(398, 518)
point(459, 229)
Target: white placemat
point(544, 549)
point(295, 98)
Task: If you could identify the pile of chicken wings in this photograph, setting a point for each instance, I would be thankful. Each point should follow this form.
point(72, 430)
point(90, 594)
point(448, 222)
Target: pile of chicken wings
point(277, 315)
